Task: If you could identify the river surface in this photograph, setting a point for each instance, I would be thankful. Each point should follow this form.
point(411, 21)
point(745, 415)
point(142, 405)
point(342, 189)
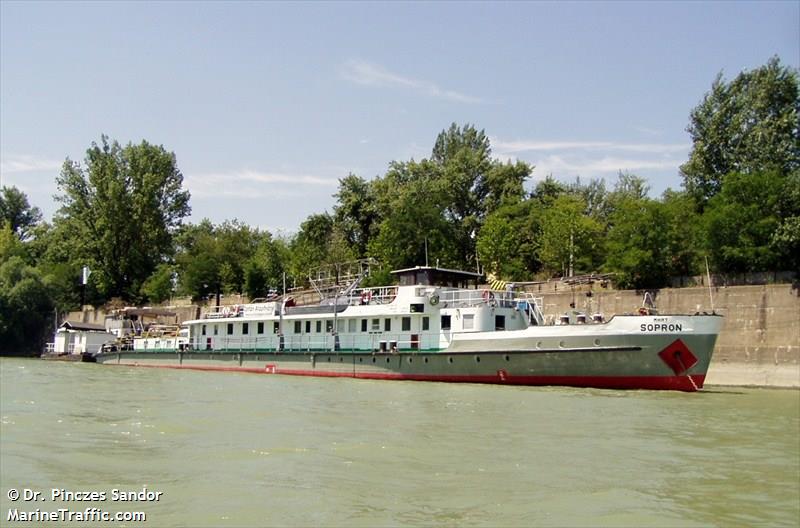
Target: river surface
point(229, 449)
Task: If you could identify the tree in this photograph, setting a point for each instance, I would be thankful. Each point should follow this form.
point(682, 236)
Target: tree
point(356, 213)
point(741, 221)
point(570, 240)
point(119, 213)
point(15, 209)
point(748, 125)
point(508, 243)
point(26, 308)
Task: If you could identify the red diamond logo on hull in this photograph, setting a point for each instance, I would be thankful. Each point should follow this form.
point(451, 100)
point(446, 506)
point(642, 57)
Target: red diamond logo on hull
point(678, 357)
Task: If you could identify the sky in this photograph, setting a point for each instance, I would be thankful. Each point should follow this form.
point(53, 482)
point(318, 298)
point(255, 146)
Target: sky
point(267, 104)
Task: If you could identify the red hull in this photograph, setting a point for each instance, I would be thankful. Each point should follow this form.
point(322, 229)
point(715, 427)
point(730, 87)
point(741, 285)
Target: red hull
point(679, 383)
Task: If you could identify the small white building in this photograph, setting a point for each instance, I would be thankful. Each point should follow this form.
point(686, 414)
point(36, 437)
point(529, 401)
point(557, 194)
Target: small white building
point(76, 338)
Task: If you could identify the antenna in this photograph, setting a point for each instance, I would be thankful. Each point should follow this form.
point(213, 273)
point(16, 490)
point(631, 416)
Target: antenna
point(426, 252)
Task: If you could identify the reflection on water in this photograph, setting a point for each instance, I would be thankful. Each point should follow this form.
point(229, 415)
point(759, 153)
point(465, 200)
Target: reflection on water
point(241, 449)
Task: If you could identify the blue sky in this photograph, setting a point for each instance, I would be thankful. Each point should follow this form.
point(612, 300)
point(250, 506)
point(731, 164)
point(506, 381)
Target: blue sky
point(267, 104)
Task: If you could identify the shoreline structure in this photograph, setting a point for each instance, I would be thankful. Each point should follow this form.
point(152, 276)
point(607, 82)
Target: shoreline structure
point(759, 345)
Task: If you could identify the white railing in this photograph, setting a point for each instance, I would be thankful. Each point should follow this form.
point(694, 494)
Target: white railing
point(320, 342)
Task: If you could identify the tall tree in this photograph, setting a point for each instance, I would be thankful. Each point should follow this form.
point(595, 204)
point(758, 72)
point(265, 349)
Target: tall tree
point(747, 125)
point(119, 212)
point(355, 212)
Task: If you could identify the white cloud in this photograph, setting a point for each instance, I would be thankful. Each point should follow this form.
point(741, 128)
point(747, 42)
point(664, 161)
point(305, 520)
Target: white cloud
point(606, 164)
point(362, 72)
point(253, 184)
point(531, 145)
point(18, 164)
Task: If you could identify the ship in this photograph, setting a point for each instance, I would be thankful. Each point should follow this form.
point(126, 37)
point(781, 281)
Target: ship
point(435, 324)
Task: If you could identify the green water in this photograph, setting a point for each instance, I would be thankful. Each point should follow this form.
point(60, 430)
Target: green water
point(231, 449)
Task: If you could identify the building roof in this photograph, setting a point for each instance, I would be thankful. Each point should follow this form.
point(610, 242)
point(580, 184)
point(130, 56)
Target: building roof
point(77, 325)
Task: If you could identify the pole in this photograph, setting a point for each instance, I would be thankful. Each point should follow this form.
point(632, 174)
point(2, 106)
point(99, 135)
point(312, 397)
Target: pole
point(710, 293)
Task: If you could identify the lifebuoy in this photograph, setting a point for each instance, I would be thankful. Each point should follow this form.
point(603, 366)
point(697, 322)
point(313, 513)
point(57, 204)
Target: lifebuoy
point(226, 311)
point(434, 300)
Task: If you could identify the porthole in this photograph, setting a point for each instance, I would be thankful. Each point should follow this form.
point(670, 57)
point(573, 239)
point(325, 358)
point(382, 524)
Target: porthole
point(507, 358)
point(341, 359)
point(387, 359)
point(329, 359)
point(360, 360)
point(596, 342)
point(539, 344)
point(426, 360)
point(477, 359)
point(450, 360)
point(374, 360)
point(561, 344)
point(410, 360)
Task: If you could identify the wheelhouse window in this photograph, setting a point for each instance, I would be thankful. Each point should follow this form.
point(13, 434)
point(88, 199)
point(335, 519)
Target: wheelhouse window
point(406, 324)
point(445, 322)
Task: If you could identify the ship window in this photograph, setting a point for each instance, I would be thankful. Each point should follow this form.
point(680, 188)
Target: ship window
point(351, 325)
point(216, 329)
point(308, 327)
point(499, 322)
point(363, 325)
point(426, 323)
point(230, 328)
point(445, 322)
point(329, 325)
point(204, 329)
point(298, 327)
point(417, 307)
point(387, 325)
point(245, 328)
point(469, 321)
point(260, 328)
point(376, 325)
point(319, 327)
point(276, 327)
point(406, 324)
point(340, 325)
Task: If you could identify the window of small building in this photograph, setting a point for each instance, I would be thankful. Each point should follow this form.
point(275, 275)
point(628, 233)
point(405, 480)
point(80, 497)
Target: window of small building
point(426, 323)
point(298, 327)
point(260, 328)
point(230, 328)
point(445, 322)
point(245, 328)
point(499, 322)
point(406, 324)
point(376, 325)
point(387, 325)
point(469, 321)
point(363, 325)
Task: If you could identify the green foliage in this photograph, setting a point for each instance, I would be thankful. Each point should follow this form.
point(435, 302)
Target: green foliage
point(15, 209)
point(355, 213)
point(508, 244)
point(748, 125)
point(741, 221)
point(26, 308)
point(119, 212)
point(569, 237)
point(159, 286)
